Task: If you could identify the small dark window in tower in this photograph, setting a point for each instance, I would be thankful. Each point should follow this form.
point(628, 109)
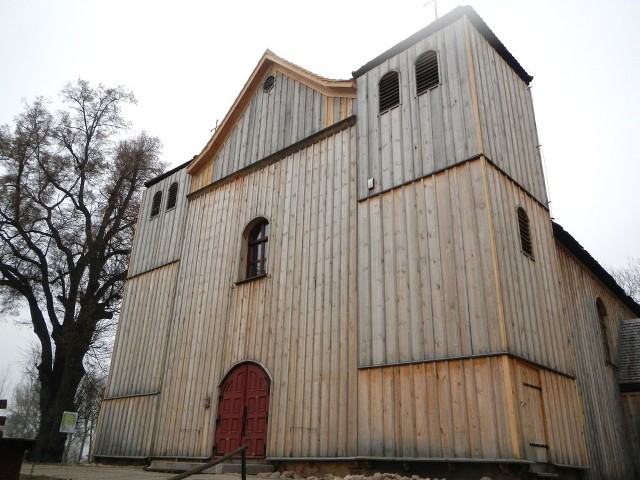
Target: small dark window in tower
point(257, 249)
point(602, 317)
point(427, 75)
point(389, 90)
point(525, 233)
point(155, 205)
point(268, 84)
point(172, 197)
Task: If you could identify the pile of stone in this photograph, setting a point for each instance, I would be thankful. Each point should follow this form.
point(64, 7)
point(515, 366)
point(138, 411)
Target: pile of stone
point(376, 476)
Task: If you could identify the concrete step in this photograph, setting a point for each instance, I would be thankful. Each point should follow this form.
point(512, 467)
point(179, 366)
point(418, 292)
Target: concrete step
point(254, 467)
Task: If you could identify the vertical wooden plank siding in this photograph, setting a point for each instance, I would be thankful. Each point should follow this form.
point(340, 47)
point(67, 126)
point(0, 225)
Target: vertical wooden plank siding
point(534, 318)
point(390, 151)
point(631, 407)
point(124, 427)
point(158, 240)
point(298, 322)
point(452, 409)
point(425, 275)
point(272, 120)
point(142, 333)
point(507, 120)
point(604, 420)
point(462, 409)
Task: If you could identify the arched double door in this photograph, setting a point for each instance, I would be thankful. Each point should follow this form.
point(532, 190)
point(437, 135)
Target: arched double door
point(243, 411)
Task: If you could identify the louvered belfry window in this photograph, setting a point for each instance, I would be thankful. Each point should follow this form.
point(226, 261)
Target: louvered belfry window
point(389, 91)
point(172, 197)
point(155, 205)
point(525, 233)
point(427, 75)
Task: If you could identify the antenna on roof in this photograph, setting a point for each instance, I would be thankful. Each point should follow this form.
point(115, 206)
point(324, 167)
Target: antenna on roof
point(214, 128)
point(435, 6)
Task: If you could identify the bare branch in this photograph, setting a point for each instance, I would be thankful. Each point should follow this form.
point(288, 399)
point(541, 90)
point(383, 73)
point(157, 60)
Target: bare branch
point(69, 196)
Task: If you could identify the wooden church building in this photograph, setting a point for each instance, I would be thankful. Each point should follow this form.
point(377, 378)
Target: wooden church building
point(362, 275)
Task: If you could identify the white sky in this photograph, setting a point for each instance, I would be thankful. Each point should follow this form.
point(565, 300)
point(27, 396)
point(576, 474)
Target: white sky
point(187, 61)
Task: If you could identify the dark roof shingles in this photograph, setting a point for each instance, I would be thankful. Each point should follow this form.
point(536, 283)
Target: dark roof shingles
point(629, 358)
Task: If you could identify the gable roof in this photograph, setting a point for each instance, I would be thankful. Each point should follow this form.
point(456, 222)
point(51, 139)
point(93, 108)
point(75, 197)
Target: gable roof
point(166, 174)
point(441, 23)
point(268, 62)
point(591, 263)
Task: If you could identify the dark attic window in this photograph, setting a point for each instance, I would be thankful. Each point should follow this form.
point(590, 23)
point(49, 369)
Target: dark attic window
point(427, 76)
point(525, 233)
point(602, 317)
point(268, 84)
point(155, 205)
point(172, 197)
point(389, 91)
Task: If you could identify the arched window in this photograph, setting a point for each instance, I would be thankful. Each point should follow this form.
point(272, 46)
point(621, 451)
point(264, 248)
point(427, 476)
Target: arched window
point(525, 233)
point(172, 196)
point(602, 318)
point(389, 91)
point(427, 75)
point(256, 238)
point(155, 205)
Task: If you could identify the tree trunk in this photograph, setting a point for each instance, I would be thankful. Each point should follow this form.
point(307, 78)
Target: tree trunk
point(49, 446)
point(56, 396)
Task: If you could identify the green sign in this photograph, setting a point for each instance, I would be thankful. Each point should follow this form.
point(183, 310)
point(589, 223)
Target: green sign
point(68, 423)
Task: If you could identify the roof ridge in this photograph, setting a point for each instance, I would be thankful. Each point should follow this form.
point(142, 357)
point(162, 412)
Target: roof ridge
point(298, 67)
point(440, 23)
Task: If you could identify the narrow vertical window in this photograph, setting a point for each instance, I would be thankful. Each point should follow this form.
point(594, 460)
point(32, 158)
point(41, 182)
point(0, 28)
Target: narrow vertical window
point(602, 318)
point(427, 75)
point(257, 248)
point(525, 233)
point(389, 91)
point(172, 196)
point(155, 205)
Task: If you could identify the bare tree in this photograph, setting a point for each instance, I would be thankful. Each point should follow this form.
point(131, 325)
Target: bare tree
point(69, 196)
point(5, 376)
point(88, 400)
point(628, 277)
point(23, 411)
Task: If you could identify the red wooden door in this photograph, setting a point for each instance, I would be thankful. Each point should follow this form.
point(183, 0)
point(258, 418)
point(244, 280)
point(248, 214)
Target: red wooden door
point(243, 409)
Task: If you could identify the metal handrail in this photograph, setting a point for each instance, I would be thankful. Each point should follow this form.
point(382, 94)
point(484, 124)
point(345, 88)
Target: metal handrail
point(200, 468)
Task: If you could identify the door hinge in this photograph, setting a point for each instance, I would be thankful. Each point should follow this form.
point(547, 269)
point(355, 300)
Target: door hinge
point(536, 387)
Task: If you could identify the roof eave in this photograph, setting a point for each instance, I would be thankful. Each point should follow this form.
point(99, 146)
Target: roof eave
point(441, 23)
point(592, 264)
point(337, 88)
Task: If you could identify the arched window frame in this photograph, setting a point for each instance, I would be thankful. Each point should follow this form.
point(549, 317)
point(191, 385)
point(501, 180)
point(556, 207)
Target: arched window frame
point(524, 227)
point(427, 71)
point(172, 196)
point(389, 91)
point(155, 204)
point(602, 320)
point(255, 249)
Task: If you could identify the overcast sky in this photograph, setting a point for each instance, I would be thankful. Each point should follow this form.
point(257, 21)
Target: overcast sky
point(187, 61)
